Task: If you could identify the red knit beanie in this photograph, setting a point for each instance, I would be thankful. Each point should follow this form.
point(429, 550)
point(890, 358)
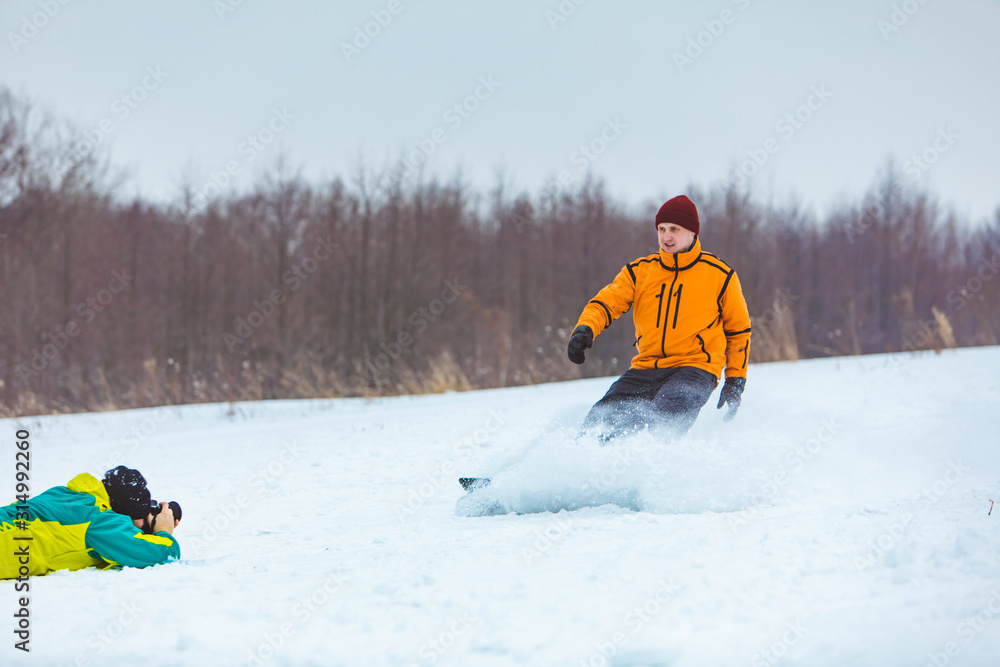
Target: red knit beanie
point(680, 211)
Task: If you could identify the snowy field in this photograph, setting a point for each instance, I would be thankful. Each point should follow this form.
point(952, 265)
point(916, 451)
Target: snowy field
point(840, 519)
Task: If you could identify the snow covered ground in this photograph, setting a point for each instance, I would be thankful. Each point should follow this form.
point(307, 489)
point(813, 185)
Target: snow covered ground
point(840, 519)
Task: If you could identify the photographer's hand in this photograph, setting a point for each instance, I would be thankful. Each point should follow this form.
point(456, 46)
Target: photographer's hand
point(165, 520)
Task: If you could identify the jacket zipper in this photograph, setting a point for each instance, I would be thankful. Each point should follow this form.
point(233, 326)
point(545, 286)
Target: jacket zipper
point(659, 306)
point(677, 306)
point(666, 316)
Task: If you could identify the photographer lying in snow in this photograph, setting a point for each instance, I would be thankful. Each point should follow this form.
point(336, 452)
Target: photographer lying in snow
point(88, 523)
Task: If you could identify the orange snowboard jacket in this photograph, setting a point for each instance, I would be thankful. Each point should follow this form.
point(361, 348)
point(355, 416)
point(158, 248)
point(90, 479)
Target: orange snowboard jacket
point(688, 310)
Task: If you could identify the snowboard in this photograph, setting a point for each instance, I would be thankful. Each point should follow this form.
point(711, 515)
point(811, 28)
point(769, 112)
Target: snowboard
point(483, 498)
point(480, 499)
point(470, 484)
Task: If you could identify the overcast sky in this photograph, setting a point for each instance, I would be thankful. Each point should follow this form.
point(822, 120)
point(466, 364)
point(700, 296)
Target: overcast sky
point(658, 110)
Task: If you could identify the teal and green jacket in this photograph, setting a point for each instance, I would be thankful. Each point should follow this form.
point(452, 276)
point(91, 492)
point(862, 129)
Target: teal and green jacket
point(72, 527)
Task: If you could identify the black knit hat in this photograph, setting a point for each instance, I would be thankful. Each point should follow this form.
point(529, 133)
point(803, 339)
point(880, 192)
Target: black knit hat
point(127, 491)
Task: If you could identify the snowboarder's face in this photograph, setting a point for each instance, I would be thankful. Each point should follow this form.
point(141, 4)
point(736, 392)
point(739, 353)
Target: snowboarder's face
point(673, 238)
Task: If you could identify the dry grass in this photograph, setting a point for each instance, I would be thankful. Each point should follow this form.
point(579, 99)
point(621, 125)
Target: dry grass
point(773, 337)
point(944, 330)
point(309, 376)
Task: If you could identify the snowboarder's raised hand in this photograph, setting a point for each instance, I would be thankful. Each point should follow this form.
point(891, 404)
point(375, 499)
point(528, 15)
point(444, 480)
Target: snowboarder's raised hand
point(731, 393)
point(582, 338)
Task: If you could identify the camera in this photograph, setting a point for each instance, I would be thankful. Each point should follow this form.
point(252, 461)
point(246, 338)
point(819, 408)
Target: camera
point(155, 510)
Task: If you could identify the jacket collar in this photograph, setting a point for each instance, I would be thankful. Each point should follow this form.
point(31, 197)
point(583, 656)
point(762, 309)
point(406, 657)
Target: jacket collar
point(679, 261)
point(87, 483)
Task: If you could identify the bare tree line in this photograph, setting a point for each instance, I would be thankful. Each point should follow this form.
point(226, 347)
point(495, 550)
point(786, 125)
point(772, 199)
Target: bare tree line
point(382, 285)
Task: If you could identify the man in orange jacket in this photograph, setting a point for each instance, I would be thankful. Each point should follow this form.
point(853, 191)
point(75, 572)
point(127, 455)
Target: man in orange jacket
point(691, 321)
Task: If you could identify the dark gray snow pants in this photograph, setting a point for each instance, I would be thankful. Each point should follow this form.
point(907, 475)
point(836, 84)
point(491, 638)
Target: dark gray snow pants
point(665, 397)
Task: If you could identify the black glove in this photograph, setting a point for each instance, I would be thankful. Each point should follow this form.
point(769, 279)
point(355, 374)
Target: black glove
point(582, 338)
point(731, 393)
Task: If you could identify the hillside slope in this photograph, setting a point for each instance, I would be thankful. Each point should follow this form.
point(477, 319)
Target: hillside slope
point(841, 518)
